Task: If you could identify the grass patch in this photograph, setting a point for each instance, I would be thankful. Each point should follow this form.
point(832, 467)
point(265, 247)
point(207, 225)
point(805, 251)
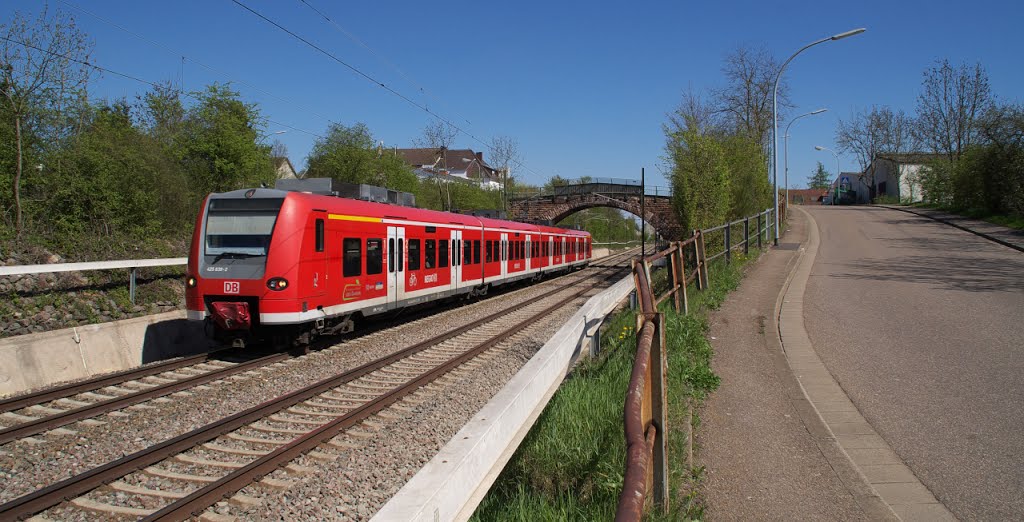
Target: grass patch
point(570, 466)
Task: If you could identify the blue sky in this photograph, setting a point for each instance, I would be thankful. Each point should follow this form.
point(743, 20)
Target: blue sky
point(583, 86)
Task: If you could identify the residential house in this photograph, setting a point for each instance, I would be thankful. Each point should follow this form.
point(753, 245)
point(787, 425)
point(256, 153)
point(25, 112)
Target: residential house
point(898, 175)
point(461, 164)
point(283, 167)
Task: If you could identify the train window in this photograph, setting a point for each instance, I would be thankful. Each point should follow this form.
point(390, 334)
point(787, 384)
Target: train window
point(476, 252)
point(374, 256)
point(522, 249)
point(429, 253)
point(490, 251)
point(467, 252)
point(319, 235)
point(401, 253)
point(442, 253)
point(391, 256)
point(353, 262)
point(414, 255)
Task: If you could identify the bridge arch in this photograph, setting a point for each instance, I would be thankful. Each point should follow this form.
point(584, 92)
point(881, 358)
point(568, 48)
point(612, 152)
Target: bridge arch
point(658, 209)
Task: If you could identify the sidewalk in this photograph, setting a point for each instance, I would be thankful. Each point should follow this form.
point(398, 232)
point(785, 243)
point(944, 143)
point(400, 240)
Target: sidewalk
point(766, 452)
point(1003, 235)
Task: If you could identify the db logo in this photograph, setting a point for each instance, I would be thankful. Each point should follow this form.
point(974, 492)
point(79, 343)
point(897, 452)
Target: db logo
point(231, 287)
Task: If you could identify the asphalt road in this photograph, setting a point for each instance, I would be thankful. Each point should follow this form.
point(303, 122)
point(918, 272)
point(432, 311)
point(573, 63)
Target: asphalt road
point(922, 325)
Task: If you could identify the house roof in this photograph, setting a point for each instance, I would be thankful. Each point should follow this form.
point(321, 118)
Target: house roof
point(455, 160)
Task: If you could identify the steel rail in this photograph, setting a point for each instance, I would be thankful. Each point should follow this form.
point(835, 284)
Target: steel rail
point(54, 421)
point(47, 497)
point(197, 501)
point(49, 394)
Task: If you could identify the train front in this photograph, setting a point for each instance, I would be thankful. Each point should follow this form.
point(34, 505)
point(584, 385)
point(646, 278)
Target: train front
point(226, 278)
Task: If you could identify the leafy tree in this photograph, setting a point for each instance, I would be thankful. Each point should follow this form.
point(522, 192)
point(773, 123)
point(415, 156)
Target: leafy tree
point(820, 179)
point(748, 176)
point(220, 144)
point(42, 72)
point(347, 154)
point(116, 181)
point(700, 179)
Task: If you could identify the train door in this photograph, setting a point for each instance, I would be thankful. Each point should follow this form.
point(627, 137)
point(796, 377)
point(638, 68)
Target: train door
point(551, 250)
point(456, 264)
point(314, 280)
point(528, 262)
point(504, 254)
point(396, 264)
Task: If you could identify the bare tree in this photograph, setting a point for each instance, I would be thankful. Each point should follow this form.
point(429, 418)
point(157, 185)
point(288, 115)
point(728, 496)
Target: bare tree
point(42, 70)
point(694, 112)
point(504, 152)
point(745, 102)
point(870, 133)
point(278, 149)
point(436, 135)
point(948, 108)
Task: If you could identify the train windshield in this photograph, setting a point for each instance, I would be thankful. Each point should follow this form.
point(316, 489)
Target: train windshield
point(240, 227)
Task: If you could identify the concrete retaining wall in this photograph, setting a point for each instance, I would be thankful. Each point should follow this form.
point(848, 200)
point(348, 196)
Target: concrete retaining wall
point(42, 359)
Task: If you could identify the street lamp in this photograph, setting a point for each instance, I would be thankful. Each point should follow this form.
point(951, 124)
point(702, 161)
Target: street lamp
point(838, 172)
point(775, 119)
point(785, 141)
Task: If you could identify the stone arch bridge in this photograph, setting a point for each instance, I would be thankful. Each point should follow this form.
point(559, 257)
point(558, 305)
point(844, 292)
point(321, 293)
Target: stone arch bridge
point(569, 199)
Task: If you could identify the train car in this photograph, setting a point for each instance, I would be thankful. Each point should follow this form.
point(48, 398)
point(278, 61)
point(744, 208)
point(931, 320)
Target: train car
point(286, 266)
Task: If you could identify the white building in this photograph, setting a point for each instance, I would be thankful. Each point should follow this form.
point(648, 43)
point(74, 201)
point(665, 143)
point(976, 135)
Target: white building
point(898, 175)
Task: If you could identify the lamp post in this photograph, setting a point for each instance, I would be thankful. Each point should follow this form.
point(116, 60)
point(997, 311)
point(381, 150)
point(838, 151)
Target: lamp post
point(838, 172)
point(785, 148)
point(775, 119)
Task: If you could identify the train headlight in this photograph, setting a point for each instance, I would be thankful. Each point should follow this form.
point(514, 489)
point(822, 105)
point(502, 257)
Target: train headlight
point(277, 283)
point(191, 282)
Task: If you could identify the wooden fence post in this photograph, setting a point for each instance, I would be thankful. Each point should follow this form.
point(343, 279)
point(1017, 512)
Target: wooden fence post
point(683, 276)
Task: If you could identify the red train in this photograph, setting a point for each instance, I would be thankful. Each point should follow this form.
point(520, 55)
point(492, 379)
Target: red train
point(286, 266)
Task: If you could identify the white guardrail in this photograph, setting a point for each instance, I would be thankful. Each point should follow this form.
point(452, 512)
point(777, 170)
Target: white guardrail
point(131, 264)
point(451, 485)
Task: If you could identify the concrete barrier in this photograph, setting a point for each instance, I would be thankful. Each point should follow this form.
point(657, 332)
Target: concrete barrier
point(450, 486)
point(42, 359)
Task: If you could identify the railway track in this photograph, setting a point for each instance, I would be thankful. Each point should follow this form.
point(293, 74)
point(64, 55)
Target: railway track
point(181, 477)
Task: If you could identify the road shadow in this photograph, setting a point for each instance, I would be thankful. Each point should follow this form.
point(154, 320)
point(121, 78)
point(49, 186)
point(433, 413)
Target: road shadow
point(978, 274)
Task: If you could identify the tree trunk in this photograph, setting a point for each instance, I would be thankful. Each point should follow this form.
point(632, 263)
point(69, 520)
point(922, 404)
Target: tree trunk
point(17, 177)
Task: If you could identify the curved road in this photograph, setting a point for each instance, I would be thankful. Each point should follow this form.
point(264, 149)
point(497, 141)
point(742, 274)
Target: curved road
point(922, 325)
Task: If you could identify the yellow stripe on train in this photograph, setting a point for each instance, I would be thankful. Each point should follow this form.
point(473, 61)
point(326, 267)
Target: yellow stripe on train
point(363, 219)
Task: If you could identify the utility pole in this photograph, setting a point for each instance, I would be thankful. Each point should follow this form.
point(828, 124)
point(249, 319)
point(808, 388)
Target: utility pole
point(643, 213)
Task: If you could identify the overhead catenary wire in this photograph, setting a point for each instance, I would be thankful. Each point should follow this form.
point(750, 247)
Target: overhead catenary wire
point(379, 56)
point(375, 81)
point(184, 58)
point(140, 80)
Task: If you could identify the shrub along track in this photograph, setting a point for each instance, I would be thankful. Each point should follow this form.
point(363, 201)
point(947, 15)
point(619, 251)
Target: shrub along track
point(255, 442)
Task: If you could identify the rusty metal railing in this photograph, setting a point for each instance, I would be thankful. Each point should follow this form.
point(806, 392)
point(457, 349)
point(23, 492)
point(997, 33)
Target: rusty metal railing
point(646, 410)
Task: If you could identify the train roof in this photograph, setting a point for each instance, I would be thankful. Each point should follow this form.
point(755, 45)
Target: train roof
point(388, 211)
